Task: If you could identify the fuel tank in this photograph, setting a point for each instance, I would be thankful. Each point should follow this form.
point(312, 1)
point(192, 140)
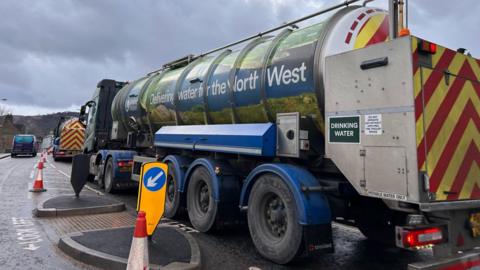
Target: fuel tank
point(253, 81)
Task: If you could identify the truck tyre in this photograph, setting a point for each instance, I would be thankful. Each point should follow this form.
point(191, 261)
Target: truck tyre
point(100, 175)
point(172, 200)
point(109, 179)
point(272, 220)
point(202, 208)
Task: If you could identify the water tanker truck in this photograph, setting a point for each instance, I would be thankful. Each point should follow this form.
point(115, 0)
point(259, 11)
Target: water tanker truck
point(296, 128)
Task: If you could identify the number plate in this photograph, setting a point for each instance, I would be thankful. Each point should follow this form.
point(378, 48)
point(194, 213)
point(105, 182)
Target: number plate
point(474, 221)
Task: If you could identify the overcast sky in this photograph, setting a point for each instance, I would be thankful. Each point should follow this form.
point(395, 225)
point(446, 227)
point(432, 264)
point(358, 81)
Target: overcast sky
point(53, 52)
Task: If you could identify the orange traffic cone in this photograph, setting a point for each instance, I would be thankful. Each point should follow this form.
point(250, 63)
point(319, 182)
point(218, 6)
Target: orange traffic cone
point(44, 159)
point(138, 257)
point(38, 184)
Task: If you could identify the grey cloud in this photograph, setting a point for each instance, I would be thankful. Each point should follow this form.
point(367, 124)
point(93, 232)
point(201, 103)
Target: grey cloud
point(54, 52)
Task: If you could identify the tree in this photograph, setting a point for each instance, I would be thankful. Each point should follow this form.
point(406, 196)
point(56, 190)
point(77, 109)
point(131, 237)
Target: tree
point(4, 110)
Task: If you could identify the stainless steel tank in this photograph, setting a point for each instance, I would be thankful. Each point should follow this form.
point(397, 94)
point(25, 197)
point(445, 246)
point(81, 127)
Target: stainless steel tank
point(252, 82)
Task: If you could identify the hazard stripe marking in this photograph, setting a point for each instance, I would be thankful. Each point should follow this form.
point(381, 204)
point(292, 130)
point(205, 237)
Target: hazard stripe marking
point(464, 175)
point(448, 151)
point(447, 113)
point(440, 116)
point(431, 82)
point(73, 135)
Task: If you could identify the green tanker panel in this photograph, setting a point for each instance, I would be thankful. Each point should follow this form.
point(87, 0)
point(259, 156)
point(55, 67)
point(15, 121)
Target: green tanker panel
point(249, 107)
point(218, 100)
point(160, 106)
point(190, 100)
point(290, 75)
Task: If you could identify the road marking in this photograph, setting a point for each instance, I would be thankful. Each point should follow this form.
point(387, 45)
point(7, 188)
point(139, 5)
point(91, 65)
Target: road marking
point(51, 165)
point(27, 233)
point(50, 188)
point(86, 186)
point(183, 227)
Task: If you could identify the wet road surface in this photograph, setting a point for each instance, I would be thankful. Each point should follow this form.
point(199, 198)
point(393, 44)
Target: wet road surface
point(230, 248)
point(25, 241)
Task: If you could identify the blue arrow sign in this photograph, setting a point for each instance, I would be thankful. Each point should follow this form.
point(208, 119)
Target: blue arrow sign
point(154, 179)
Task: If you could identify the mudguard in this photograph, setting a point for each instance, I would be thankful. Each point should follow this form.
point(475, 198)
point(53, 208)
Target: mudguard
point(225, 186)
point(180, 165)
point(313, 207)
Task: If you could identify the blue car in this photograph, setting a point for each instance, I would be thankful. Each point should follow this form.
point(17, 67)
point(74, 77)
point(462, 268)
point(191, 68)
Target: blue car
point(24, 144)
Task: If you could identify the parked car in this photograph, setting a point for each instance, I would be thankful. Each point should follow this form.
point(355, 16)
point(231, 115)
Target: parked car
point(24, 144)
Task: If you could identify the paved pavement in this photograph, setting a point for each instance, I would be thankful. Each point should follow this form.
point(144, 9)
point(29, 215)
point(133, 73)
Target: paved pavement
point(230, 249)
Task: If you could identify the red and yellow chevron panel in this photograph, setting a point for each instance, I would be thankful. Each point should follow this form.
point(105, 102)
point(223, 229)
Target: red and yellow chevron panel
point(447, 112)
point(72, 135)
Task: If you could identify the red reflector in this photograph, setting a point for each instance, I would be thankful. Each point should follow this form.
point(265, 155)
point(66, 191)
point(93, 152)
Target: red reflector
point(126, 163)
point(422, 237)
point(427, 47)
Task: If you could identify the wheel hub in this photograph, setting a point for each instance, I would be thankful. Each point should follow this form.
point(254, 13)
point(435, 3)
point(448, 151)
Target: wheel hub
point(170, 189)
point(204, 198)
point(276, 216)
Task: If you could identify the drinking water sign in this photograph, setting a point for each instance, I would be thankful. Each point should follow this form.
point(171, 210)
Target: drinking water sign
point(151, 193)
point(344, 129)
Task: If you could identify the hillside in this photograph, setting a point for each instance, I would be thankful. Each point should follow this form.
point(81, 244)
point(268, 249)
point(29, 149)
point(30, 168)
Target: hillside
point(41, 125)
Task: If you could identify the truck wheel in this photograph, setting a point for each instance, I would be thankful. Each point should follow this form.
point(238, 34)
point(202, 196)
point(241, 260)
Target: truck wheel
point(99, 176)
point(202, 208)
point(272, 220)
point(108, 178)
point(172, 200)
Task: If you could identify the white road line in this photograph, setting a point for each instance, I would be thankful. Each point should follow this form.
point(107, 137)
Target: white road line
point(65, 174)
point(86, 186)
point(51, 165)
point(52, 188)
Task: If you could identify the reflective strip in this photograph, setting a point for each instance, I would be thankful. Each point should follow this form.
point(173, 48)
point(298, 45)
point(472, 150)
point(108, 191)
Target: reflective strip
point(214, 148)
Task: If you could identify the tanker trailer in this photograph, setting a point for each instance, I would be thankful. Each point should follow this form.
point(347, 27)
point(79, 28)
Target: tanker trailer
point(299, 127)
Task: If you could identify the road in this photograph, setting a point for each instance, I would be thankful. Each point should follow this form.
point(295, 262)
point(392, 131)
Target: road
point(26, 242)
point(228, 249)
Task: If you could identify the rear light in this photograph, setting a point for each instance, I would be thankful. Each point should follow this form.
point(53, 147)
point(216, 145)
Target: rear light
point(419, 238)
point(427, 47)
point(125, 163)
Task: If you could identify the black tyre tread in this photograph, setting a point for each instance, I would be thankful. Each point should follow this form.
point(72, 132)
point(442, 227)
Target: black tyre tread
point(109, 188)
point(201, 222)
point(173, 211)
point(291, 245)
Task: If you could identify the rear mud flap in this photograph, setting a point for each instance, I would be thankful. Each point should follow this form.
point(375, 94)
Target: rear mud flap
point(318, 239)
